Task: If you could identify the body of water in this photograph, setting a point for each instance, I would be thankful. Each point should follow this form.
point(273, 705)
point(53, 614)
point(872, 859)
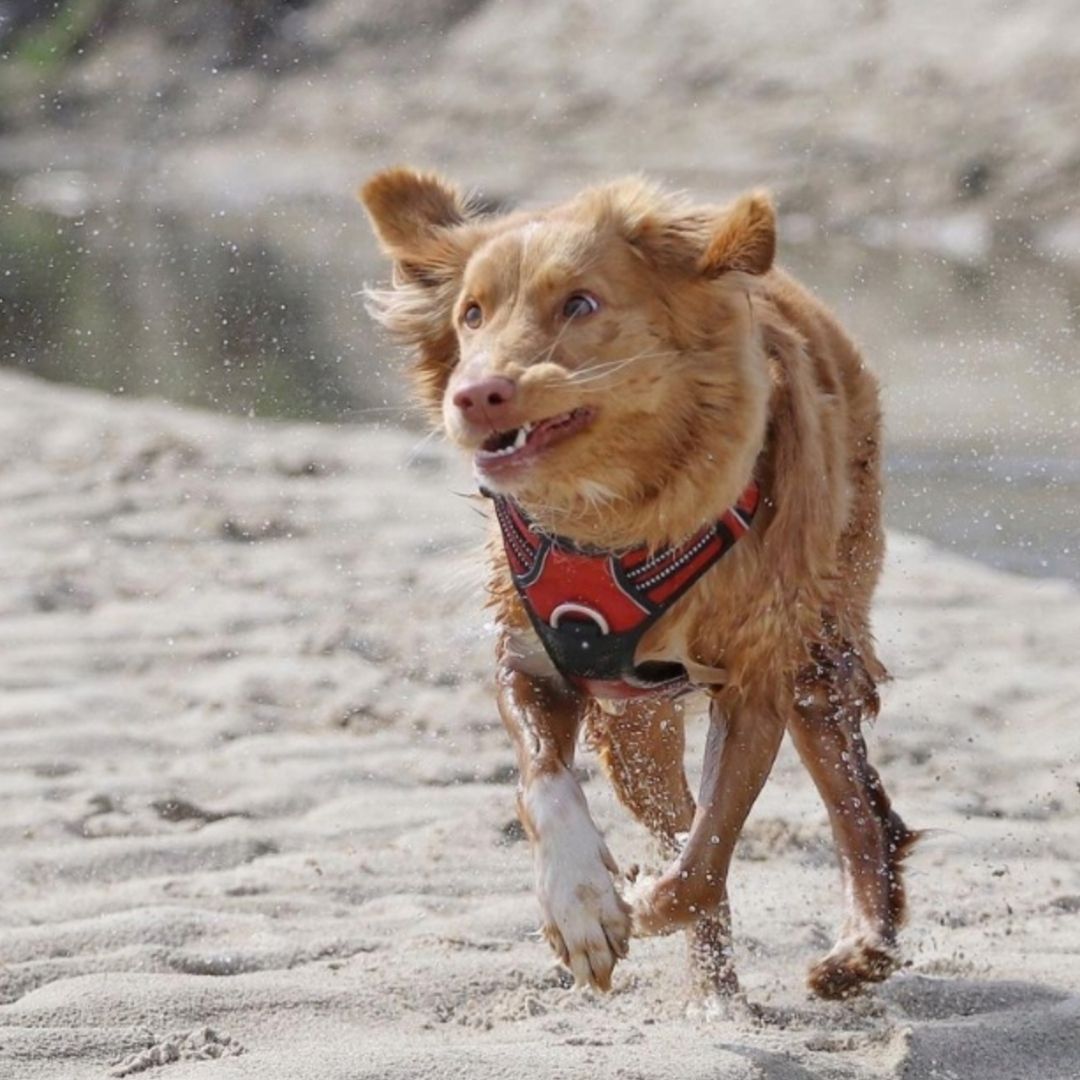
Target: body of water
point(259, 313)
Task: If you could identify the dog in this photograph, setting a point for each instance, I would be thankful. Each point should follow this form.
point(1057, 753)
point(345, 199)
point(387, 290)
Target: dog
point(681, 449)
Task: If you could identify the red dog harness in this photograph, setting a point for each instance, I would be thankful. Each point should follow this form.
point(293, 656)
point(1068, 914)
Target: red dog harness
point(591, 608)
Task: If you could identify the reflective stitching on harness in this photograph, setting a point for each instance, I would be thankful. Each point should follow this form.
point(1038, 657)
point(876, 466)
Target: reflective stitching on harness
point(613, 566)
point(679, 563)
point(511, 535)
point(648, 564)
point(537, 568)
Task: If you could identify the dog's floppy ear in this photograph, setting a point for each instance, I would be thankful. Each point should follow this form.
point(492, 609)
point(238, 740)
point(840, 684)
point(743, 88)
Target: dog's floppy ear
point(743, 238)
point(427, 228)
point(707, 240)
point(414, 215)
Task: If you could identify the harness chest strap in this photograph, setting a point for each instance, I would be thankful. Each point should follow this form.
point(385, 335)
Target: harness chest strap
point(591, 608)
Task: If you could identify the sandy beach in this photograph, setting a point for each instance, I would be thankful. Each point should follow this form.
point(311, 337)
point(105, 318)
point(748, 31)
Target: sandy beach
point(258, 809)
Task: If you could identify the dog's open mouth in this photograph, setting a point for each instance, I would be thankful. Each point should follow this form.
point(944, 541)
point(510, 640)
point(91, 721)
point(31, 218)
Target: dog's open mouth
point(506, 450)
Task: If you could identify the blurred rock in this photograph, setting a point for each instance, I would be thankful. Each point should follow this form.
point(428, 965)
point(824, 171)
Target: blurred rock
point(848, 111)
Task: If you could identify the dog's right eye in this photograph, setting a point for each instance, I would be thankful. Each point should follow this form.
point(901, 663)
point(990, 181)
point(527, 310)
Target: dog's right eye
point(580, 304)
point(472, 316)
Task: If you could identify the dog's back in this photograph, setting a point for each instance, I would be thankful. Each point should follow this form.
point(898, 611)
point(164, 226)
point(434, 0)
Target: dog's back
point(850, 415)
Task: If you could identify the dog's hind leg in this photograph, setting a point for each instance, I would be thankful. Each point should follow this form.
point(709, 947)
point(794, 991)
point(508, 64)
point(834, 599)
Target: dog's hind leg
point(833, 696)
point(641, 749)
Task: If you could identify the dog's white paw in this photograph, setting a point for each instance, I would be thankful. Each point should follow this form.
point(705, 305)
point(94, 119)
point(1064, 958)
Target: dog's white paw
point(585, 920)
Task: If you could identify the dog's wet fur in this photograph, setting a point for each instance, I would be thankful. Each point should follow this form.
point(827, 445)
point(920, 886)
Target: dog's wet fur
point(623, 365)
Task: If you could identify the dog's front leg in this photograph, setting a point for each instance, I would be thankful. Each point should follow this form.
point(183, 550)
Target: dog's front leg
point(585, 919)
point(739, 752)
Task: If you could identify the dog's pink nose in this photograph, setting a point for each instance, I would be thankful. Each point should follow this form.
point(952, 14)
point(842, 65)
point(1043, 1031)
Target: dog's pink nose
point(485, 400)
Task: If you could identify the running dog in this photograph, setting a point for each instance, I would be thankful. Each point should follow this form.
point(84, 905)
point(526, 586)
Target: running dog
point(681, 449)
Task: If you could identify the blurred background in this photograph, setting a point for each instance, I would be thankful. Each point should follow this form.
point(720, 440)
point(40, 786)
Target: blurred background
point(177, 216)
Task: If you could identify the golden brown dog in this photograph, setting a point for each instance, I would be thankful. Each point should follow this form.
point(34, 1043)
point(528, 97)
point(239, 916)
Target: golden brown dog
point(648, 400)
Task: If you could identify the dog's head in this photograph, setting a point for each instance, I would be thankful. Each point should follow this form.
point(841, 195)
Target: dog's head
point(585, 355)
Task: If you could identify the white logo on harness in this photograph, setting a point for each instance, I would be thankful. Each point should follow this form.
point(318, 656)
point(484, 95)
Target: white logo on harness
point(578, 609)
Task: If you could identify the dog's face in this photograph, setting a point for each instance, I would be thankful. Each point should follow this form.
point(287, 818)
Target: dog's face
point(575, 353)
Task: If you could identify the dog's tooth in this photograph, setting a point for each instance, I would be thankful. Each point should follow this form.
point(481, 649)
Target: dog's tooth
point(520, 438)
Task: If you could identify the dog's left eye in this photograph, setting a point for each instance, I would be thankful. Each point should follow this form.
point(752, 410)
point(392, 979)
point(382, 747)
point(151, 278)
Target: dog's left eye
point(579, 304)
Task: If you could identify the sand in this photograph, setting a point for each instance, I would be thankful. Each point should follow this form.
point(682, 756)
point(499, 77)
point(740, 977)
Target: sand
point(258, 810)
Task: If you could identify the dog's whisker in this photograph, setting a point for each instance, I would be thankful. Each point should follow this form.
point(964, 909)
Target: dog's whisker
point(379, 409)
point(419, 445)
point(644, 354)
point(604, 373)
point(611, 366)
point(555, 343)
point(548, 350)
